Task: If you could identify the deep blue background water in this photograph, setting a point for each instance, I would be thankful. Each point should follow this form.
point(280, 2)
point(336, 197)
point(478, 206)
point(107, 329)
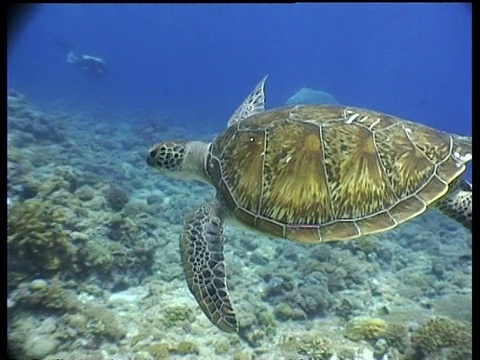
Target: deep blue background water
point(200, 61)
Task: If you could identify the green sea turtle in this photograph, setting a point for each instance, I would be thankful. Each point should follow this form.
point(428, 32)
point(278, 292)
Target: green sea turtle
point(309, 173)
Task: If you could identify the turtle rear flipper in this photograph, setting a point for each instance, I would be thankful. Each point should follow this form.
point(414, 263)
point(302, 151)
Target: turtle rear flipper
point(458, 204)
point(201, 248)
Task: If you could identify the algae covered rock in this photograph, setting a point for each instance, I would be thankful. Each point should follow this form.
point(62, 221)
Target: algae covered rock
point(38, 347)
point(103, 322)
point(186, 347)
point(284, 311)
point(313, 300)
point(52, 296)
point(159, 351)
point(242, 355)
point(266, 320)
point(117, 197)
point(85, 193)
point(22, 117)
point(38, 284)
point(221, 345)
point(164, 350)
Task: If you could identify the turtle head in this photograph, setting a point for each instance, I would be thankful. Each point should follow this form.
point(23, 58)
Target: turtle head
point(179, 159)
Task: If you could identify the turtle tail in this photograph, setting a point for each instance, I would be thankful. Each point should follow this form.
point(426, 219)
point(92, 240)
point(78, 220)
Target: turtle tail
point(458, 204)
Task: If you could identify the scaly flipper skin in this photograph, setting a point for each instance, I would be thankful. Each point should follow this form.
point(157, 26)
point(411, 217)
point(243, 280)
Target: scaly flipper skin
point(458, 204)
point(201, 248)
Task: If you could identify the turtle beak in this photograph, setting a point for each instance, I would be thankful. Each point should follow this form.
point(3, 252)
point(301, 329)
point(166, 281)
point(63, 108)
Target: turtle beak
point(150, 161)
point(150, 157)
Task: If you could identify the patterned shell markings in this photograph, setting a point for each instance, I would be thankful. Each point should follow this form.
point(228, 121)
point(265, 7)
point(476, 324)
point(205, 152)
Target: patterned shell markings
point(352, 171)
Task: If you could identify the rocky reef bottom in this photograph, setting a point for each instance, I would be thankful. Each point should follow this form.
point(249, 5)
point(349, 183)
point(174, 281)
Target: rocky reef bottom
point(94, 270)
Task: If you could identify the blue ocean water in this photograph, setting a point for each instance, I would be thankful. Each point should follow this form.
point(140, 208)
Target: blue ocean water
point(77, 146)
point(411, 60)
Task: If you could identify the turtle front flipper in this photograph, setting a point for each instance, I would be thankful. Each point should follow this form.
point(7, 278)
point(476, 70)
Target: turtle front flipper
point(458, 204)
point(201, 248)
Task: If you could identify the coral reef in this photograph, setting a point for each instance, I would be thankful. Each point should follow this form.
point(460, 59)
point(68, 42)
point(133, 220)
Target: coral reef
point(164, 350)
point(186, 347)
point(18, 164)
point(397, 337)
point(117, 197)
point(284, 311)
point(364, 328)
point(314, 347)
point(63, 177)
point(22, 117)
point(221, 346)
point(52, 296)
point(257, 325)
point(40, 240)
point(94, 271)
point(176, 315)
point(37, 239)
point(159, 351)
point(103, 322)
point(293, 301)
point(443, 335)
point(381, 335)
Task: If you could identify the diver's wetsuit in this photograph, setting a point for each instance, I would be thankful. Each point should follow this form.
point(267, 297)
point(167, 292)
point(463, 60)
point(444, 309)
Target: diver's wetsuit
point(92, 65)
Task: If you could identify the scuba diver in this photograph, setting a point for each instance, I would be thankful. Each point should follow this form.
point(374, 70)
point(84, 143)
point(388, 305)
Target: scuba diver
point(92, 65)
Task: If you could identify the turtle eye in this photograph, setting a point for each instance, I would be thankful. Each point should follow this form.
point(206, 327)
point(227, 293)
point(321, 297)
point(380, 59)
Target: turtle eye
point(153, 153)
